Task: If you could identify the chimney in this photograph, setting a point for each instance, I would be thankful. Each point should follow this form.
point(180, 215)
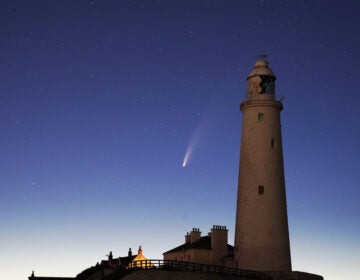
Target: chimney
point(219, 242)
point(110, 257)
point(187, 238)
point(195, 235)
point(129, 253)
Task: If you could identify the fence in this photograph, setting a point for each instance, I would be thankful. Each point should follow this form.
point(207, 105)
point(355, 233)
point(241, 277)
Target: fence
point(188, 266)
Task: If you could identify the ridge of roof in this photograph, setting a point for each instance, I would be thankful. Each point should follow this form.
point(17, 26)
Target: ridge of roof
point(203, 243)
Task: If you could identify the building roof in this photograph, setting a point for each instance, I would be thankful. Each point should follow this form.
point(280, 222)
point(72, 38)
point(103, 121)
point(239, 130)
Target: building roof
point(113, 263)
point(116, 262)
point(203, 243)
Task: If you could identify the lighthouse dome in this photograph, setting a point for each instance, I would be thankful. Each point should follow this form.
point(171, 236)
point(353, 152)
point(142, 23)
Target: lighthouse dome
point(261, 68)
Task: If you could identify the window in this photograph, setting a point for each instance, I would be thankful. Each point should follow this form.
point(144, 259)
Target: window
point(260, 116)
point(273, 143)
point(267, 84)
point(261, 190)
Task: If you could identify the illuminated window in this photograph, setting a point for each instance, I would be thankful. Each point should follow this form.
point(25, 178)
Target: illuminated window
point(261, 190)
point(260, 116)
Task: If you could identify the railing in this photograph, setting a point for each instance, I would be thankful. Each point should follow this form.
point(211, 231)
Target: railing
point(263, 96)
point(188, 266)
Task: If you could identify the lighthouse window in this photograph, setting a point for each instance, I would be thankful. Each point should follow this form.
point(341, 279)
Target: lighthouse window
point(267, 84)
point(260, 116)
point(273, 143)
point(261, 190)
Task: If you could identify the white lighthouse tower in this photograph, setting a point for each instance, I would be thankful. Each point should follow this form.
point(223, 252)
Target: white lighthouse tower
point(261, 234)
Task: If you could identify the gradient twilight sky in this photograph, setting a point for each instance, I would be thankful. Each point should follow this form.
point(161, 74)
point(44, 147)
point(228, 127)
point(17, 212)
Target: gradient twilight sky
point(99, 101)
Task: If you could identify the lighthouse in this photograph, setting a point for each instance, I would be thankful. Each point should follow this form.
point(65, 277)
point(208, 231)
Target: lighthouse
point(261, 230)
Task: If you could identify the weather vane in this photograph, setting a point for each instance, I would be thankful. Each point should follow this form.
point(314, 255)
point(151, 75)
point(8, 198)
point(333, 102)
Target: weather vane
point(262, 56)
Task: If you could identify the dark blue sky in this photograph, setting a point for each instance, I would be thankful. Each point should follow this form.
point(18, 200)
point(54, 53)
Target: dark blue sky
point(99, 101)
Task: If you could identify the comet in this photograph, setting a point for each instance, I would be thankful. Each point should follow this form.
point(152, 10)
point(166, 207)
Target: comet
point(186, 158)
point(187, 155)
point(191, 147)
point(202, 130)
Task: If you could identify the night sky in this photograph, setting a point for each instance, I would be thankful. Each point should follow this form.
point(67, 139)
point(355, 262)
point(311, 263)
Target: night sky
point(100, 100)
